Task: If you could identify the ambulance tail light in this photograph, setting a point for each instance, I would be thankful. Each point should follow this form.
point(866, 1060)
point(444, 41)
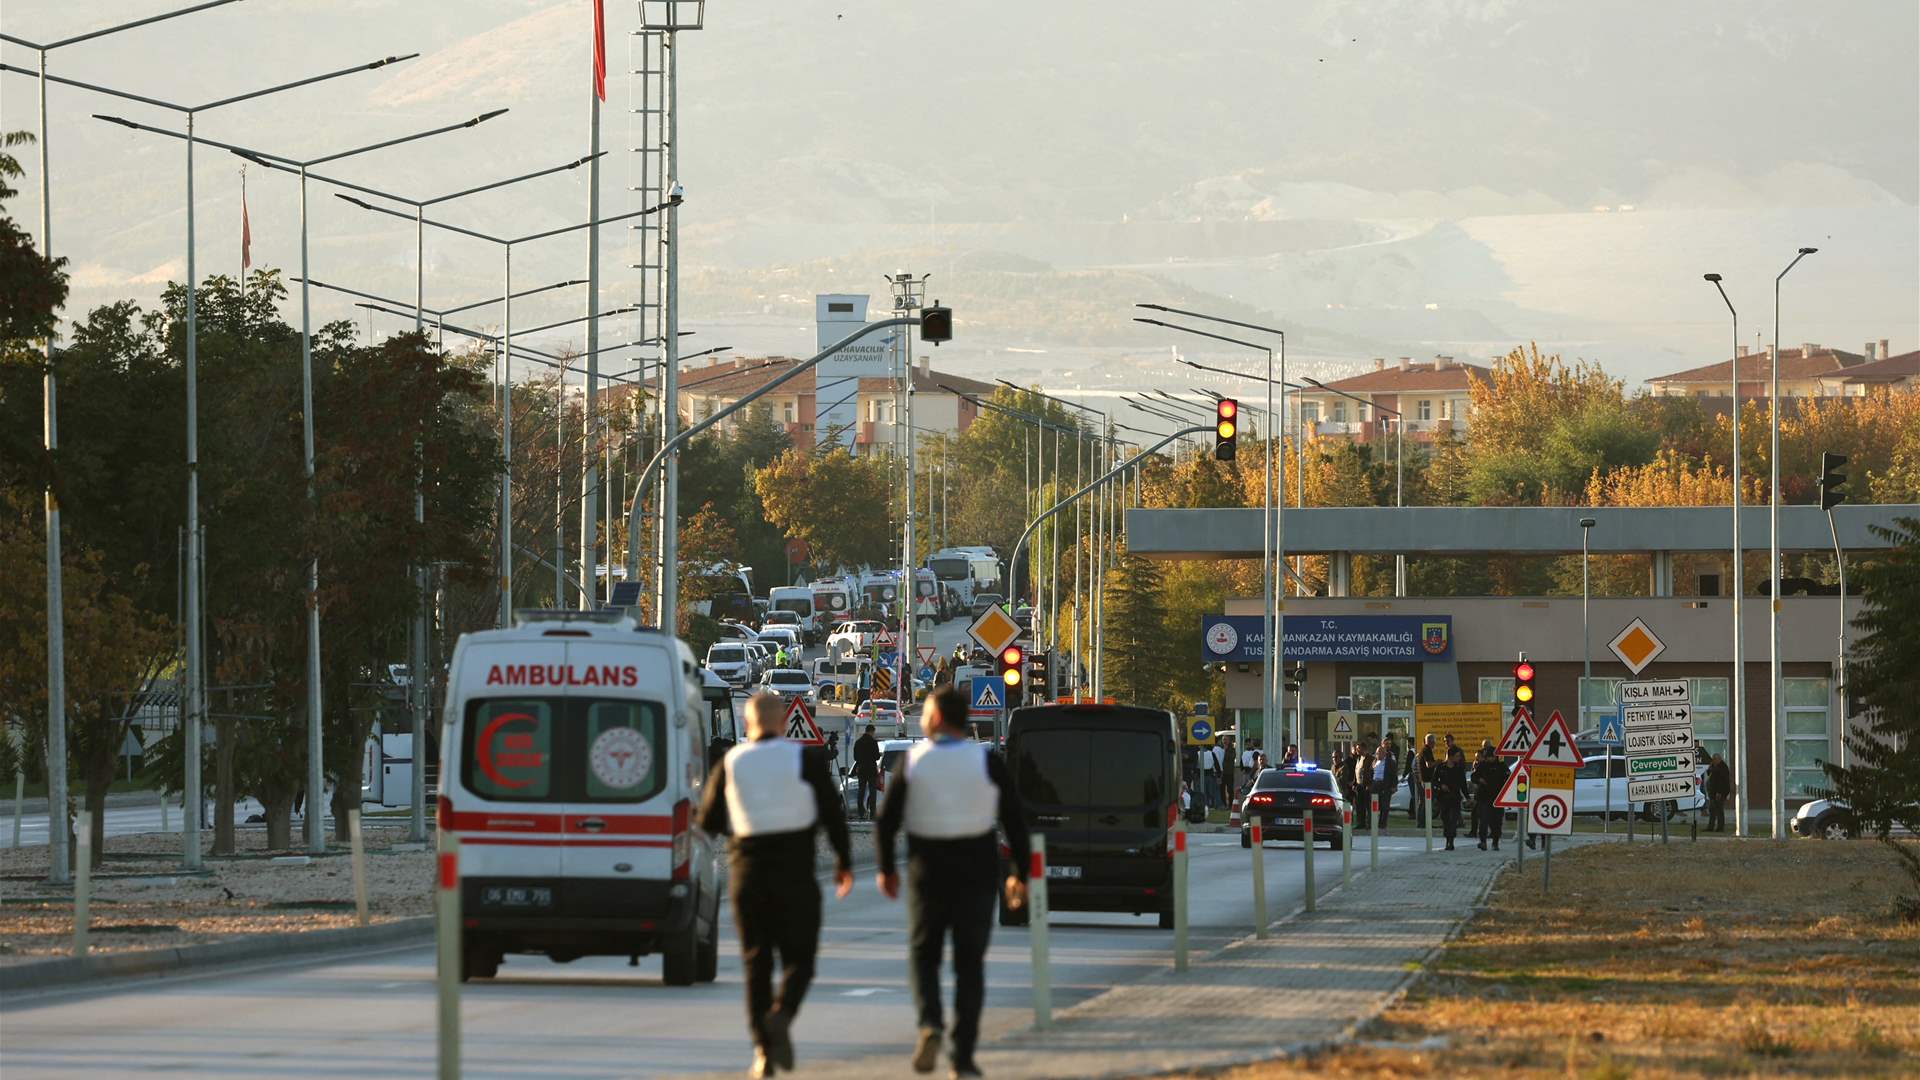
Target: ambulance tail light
point(682, 839)
point(443, 813)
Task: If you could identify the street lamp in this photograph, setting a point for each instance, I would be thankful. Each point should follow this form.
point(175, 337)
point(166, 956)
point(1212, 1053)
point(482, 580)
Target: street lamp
point(1737, 737)
point(1299, 447)
point(1778, 810)
point(1586, 663)
point(316, 779)
point(58, 871)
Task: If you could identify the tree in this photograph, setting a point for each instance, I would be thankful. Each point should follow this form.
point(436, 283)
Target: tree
point(32, 289)
point(1138, 665)
point(831, 501)
point(1881, 782)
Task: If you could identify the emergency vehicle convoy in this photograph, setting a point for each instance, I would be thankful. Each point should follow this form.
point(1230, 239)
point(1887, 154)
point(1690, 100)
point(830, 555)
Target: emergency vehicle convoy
point(573, 751)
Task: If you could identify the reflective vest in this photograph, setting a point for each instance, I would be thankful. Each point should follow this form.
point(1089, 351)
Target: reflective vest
point(765, 791)
point(949, 795)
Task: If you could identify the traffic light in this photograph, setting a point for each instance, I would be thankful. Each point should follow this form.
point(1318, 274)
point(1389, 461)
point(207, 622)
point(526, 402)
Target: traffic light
point(1011, 674)
point(1037, 674)
point(1294, 678)
point(1832, 479)
point(936, 324)
point(1523, 684)
point(1226, 428)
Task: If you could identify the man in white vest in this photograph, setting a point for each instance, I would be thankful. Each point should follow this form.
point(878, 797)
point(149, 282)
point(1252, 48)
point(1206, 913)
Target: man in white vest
point(771, 794)
point(947, 793)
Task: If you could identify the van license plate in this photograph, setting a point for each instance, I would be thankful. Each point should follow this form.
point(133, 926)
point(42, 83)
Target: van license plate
point(516, 896)
point(1063, 872)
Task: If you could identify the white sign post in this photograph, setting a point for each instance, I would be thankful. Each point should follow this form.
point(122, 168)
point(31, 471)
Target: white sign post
point(1656, 722)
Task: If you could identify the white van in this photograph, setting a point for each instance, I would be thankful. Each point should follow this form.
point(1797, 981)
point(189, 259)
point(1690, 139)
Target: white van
point(573, 751)
point(799, 600)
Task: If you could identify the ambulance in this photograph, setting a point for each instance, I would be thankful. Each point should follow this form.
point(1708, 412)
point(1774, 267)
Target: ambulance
point(573, 751)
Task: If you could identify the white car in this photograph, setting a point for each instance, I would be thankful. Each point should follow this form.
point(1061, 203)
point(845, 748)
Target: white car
point(787, 637)
point(854, 635)
point(762, 653)
point(788, 619)
point(730, 661)
point(883, 715)
point(790, 683)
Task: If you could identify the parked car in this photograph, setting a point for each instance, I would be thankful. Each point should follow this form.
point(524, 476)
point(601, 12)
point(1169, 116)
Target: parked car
point(778, 617)
point(1281, 796)
point(786, 636)
point(1826, 819)
point(883, 715)
point(762, 653)
point(790, 683)
point(891, 751)
point(854, 635)
point(734, 631)
point(730, 661)
point(983, 601)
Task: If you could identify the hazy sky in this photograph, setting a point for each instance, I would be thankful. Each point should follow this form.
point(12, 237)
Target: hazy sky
point(1385, 177)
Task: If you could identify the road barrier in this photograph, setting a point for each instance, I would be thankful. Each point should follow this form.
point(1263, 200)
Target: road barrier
point(1179, 895)
point(447, 932)
point(82, 877)
point(1373, 827)
point(1306, 837)
point(1259, 877)
point(359, 865)
point(1037, 935)
point(1346, 846)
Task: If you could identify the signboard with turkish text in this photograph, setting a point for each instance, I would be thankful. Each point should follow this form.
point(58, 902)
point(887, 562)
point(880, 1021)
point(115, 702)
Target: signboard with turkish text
point(1653, 691)
point(1468, 723)
point(1650, 765)
point(1355, 638)
point(1661, 788)
point(1559, 777)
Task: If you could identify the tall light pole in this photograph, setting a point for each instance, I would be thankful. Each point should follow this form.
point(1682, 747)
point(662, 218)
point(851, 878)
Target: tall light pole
point(1737, 736)
point(908, 292)
point(1586, 664)
point(1778, 810)
point(316, 776)
point(58, 870)
point(1299, 447)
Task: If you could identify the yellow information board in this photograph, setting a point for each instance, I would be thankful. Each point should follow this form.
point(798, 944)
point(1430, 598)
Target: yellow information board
point(1467, 722)
point(1554, 777)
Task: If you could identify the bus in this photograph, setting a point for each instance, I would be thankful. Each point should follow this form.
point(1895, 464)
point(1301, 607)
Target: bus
point(726, 593)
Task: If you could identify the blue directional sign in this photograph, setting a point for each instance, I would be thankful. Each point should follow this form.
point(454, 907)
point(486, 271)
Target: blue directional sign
point(1200, 729)
point(988, 695)
point(1610, 729)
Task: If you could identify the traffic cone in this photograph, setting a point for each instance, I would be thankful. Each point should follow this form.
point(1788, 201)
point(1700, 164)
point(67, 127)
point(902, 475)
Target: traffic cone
point(1233, 815)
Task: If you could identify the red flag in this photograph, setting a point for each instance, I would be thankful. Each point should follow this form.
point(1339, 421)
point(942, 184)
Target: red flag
point(246, 230)
point(600, 49)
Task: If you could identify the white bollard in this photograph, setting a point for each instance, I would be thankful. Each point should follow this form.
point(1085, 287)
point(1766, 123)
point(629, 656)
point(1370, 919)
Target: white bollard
point(359, 865)
point(1037, 935)
point(1373, 826)
point(1426, 811)
point(447, 911)
point(1346, 846)
point(1259, 876)
point(82, 880)
point(165, 825)
point(19, 799)
point(1179, 895)
point(1306, 838)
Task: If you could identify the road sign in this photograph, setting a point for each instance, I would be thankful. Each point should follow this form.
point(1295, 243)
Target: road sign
point(989, 694)
point(1610, 730)
point(1677, 714)
point(1636, 646)
point(927, 653)
point(994, 629)
point(1556, 777)
point(800, 725)
point(1468, 723)
point(1555, 746)
point(1641, 742)
point(1651, 765)
point(1550, 811)
point(1199, 731)
point(1513, 795)
point(884, 639)
point(1653, 692)
point(1659, 789)
point(1520, 735)
point(883, 682)
point(1342, 725)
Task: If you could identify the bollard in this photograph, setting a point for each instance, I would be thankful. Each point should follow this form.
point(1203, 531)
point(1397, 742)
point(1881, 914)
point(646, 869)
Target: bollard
point(166, 825)
point(1426, 811)
point(1259, 878)
point(1179, 895)
point(1037, 934)
point(359, 865)
point(447, 927)
point(1306, 838)
point(1346, 846)
point(1546, 868)
point(1373, 827)
point(1629, 822)
point(1663, 823)
point(19, 798)
point(82, 880)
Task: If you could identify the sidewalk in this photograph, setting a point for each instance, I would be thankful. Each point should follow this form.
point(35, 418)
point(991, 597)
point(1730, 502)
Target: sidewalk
point(1313, 981)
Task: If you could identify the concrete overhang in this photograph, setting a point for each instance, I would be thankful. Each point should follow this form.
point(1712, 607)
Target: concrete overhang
point(1234, 533)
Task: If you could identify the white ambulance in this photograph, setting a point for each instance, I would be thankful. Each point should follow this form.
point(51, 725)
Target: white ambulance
point(573, 752)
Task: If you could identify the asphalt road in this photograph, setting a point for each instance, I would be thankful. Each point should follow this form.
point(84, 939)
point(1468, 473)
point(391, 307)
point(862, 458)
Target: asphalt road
point(122, 820)
point(372, 1014)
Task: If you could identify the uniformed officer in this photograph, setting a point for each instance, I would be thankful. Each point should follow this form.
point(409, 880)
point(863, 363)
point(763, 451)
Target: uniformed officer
point(947, 793)
point(771, 793)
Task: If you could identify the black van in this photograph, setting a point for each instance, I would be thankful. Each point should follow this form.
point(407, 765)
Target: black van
point(1100, 782)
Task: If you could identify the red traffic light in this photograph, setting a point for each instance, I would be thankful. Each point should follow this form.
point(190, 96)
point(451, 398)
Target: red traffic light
point(1011, 655)
point(1523, 672)
point(1228, 409)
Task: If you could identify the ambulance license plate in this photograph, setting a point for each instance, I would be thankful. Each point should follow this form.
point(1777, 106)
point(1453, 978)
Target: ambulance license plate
point(527, 896)
point(1063, 872)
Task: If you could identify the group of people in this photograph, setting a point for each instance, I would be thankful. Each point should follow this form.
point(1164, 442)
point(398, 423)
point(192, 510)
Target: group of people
point(1373, 774)
point(771, 795)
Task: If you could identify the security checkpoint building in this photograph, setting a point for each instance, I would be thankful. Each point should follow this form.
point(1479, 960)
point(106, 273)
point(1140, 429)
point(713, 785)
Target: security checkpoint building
point(1379, 656)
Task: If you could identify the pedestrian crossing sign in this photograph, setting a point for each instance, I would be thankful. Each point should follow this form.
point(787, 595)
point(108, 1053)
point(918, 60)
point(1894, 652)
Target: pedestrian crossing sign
point(988, 696)
point(801, 727)
point(1610, 730)
point(1520, 736)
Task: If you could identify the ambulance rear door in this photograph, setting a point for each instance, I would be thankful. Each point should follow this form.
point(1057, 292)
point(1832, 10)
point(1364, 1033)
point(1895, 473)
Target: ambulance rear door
point(627, 762)
point(504, 803)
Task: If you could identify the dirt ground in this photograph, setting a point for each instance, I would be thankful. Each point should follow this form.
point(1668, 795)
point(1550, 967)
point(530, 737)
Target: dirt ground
point(1722, 958)
point(143, 900)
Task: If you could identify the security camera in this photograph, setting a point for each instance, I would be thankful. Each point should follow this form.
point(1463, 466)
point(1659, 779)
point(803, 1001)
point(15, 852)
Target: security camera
point(677, 194)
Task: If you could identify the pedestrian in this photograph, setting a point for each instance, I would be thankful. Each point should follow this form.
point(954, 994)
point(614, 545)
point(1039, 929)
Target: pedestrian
point(1386, 776)
point(1290, 756)
point(770, 794)
point(1449, 787)
point(1363, 786)
point(1719, 786)
point(1419, 774)
point(866, 770)
point(1212, 760)
point(947, 794)
point(1489, 780)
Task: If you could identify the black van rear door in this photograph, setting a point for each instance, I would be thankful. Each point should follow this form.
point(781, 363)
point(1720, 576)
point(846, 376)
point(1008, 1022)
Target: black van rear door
point(1052, 774)
point(1127, 808)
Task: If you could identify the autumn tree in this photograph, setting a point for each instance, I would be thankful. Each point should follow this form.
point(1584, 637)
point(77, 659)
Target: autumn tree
point(829, 501)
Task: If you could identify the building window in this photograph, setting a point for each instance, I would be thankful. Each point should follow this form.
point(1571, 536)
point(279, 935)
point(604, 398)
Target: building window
point(1808, 743)
point(1710, 714)
point(1383, 703)
point(1309, 412)
point(1339, 412)
point(1599, 699)
point(1497, 690)
point(1424, 411)
point(786, 412)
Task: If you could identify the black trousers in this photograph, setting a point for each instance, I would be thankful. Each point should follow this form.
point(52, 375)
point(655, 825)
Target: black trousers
point(1385, 791)
point(869, 793)
point(1716, 813)
point(1448, 811)
point(776, 909)
point(1416, 806)
point(1488, 819)
point(951, 897)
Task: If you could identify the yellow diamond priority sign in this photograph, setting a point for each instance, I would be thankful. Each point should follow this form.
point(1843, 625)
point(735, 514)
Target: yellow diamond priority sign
point(1636, 646)
point(994, 629)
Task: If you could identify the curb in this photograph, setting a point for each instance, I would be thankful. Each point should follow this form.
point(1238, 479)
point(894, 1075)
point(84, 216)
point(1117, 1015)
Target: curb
point(69, 970)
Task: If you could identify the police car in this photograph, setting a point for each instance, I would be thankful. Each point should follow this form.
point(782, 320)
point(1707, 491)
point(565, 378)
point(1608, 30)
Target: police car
point(573, 750)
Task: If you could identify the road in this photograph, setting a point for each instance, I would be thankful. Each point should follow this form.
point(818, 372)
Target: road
point(372, 1014)
point(124, 820)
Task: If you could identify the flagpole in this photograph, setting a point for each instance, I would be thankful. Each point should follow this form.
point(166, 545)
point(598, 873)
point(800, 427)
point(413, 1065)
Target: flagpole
point(246, 241)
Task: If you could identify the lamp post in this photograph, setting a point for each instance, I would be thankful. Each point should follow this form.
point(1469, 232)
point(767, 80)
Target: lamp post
point(1054, 609)
point(1586, 664)
point(1737, 737)
point(58, 870)
point(1299, 448)
point(1778, 810)
point(316, 777)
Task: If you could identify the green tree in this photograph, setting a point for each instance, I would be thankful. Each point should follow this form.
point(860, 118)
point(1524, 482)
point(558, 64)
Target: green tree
point(1138, 666)
point(831, 501)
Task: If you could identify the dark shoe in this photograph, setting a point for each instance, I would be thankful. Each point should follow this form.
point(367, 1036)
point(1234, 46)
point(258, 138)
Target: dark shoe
point(1483, 845)
point(779, 1044)
point(963, 1069)
point(1496, 845)
point(927, 1050)
point(761, 1066)
point(1449, 845)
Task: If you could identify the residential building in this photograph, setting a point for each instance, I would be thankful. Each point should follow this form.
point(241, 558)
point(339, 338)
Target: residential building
point(795, 405)
point(1812, 370)
point(1434, 396)
point(1886, 372)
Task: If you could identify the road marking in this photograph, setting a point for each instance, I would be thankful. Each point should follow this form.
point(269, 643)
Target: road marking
point(864, 991)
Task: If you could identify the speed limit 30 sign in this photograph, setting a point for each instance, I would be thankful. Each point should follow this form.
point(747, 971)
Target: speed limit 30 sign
point(1550, 811)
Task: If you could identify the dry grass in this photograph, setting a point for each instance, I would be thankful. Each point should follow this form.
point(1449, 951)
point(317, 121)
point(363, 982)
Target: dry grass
point(1711, 959)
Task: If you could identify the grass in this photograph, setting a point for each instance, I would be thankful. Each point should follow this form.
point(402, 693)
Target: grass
point(1723, 958)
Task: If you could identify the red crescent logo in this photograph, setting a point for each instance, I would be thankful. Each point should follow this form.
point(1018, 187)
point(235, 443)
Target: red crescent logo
point(483, 752)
